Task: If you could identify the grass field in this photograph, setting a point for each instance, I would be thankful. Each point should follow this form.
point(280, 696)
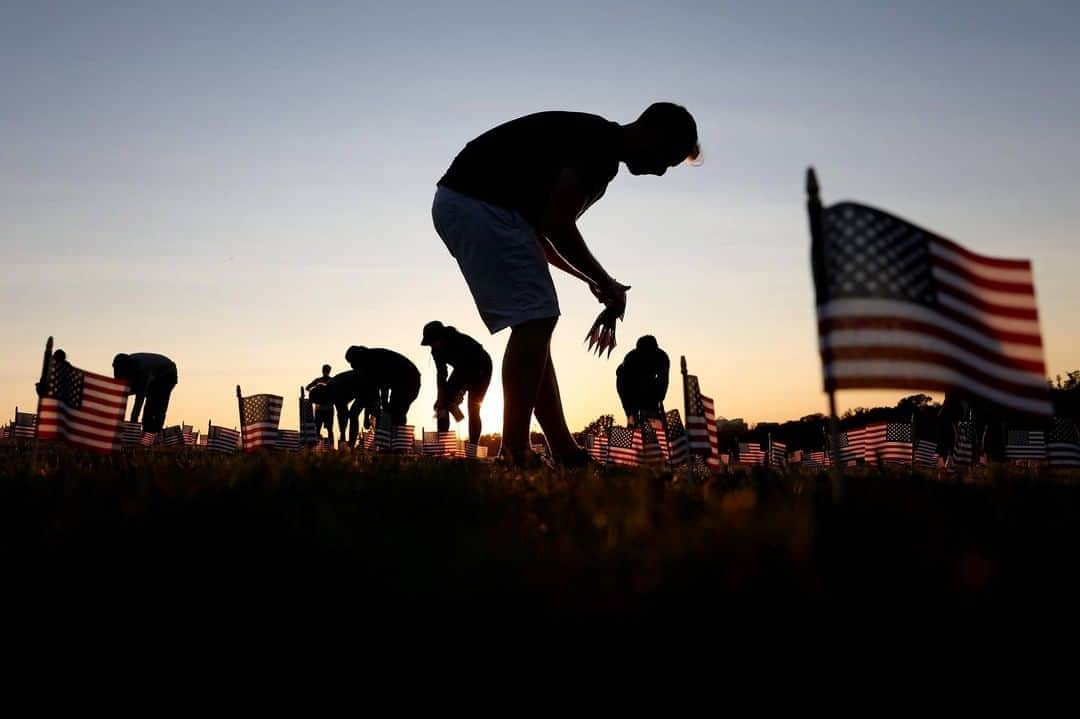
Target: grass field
point(467, 539)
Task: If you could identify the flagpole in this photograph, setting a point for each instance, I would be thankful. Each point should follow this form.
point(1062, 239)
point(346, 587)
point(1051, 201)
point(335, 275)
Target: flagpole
point(240, 407)
point(817, 250)
point(46, 364)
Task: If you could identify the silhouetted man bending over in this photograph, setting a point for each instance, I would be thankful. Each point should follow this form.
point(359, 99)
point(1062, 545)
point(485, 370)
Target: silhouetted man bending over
point(324, 406)
point(394, 376)
point(507, 208)
point(350, 393)
point(152, 378)
point(642, 380)
point(472, 374)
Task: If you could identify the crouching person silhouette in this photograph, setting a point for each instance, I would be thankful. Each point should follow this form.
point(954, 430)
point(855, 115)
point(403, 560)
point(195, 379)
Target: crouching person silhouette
point(472, 374)
point(642, 380)
point(350, 393)
point(394, 377)
point(152, 378)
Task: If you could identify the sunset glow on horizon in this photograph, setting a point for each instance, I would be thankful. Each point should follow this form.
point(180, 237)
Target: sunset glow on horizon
point(249, 192)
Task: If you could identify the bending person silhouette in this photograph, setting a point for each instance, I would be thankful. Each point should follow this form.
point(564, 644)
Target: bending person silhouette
point(507, 208)
point(350, 393)
point(472, 374)
point(323, 404)
point(152, 378)
point(642, 380)
point(394, 376)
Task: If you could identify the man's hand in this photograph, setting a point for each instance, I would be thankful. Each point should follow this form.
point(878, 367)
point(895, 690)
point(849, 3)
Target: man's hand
point(613, 296)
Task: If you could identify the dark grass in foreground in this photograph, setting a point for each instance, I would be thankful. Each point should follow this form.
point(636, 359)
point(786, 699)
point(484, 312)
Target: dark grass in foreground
point(465, 539)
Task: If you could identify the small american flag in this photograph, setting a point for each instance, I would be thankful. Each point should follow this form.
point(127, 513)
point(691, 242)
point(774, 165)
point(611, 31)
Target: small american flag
point(597, 447)
point(1063, 444)
point(852, 445)
point(751, 453)
point(324, 444)
point(188, 433)
point(678, 446)
point(372, 440)
point(259, 417)
point(403, 438)
point(653, 448)
point(777, 453)
point(621, 449)
point(887, 443)
point(5, 431)
point(963, 453)
point(288, 440)
point(441, 444)
point(475, 451)
point(307, 423)
point(222, 439)
point(83, 408)
point(131, 434)
point(1025, 446)
point(25, 425)
point(817, 458)
point(899, 307)
point(172, 436)
point(926, 455)
point(700, 420)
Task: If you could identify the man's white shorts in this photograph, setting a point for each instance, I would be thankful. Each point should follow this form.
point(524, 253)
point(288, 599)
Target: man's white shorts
point(501, 257)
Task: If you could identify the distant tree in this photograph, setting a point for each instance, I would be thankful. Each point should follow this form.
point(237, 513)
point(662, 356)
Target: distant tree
point(915, 402)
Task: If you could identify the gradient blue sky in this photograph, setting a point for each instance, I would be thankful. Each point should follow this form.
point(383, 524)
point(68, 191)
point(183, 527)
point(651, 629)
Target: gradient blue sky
point(246, 187)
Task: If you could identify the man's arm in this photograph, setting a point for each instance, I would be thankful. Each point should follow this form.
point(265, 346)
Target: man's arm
point(559, 226)
point(663, 370)
point(137, 408)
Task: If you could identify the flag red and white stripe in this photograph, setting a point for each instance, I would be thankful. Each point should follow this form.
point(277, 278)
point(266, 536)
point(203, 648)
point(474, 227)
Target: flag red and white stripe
point(902, 308)
point(887, 443)
point(83, 408)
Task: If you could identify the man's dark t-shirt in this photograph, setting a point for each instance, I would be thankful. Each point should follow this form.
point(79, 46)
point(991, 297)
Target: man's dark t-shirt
point(516, 165)
point(386, 368)
point(470, 360)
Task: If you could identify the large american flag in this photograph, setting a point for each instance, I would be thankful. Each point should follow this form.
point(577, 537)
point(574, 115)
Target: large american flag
point(902, 308)
point(926, 455)
point(1025, 445)
point(852, 445)
point(83, 408)
point(887, 443)
point(25, 425)
point(701, 421)
point(259, 417)
point(678, 446)
point(1063, 444)
point(621, 448)
point(777, 453)
point(751, 453)
point(222, 439)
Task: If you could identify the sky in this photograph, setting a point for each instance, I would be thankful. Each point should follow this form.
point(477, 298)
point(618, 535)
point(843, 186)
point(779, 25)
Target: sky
point(246, 187)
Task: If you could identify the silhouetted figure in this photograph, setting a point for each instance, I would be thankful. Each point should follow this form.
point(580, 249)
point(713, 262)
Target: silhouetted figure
point(152, 378)
point(323, 406)
point(507, 208)
point(472, 374)
point(350, 393)
point(642, 380)
point(988, 426)
point(395, 378)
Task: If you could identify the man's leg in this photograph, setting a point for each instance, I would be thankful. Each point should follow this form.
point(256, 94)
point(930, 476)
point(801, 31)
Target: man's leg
point(354, 423)
point(549, 413)
point(442, 421)
point(475, 423)
point(523, 367)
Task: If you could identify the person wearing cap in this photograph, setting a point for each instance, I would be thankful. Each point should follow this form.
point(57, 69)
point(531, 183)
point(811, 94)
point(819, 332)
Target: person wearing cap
point(394, 376)
point(642, 380)
point(472, 374)
point(507, 209)
point(323, 405)
point(152, 378)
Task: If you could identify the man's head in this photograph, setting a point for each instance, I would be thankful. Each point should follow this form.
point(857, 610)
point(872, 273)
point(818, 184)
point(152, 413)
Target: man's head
point(664, 136)
point(354, 354)
point(326, 370)
point(647, 343)
point(434, 332)
point(121, 365)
